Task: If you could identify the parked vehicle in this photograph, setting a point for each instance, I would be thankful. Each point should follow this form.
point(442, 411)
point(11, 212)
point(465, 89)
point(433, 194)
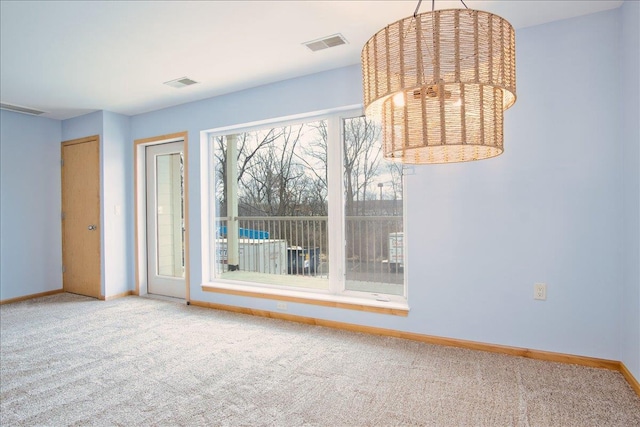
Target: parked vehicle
point(302, 260)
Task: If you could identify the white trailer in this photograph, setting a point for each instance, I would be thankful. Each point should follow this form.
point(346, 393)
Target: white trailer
point(396, 251)
point(257, 255)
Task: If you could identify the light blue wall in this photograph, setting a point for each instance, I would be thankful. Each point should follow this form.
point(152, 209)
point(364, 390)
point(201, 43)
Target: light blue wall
point(30, 205)
point(545, 211)
point(117, 195)
point(83, 126)
point(630, 138)
point(480, 235)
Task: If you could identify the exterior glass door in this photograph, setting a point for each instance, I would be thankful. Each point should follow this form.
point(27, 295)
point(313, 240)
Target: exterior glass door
point(165, 219)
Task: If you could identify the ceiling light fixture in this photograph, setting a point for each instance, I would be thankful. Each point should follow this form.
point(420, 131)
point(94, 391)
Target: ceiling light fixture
point(439, 82)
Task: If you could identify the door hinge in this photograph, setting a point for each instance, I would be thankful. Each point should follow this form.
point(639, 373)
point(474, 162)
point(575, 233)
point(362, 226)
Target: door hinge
point(62, 215)
point(61, 162)
point(64, 269)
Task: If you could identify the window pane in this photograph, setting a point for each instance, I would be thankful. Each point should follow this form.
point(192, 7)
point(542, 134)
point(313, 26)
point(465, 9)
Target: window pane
point(170, 215)
point(271, 206)
point(373, 212)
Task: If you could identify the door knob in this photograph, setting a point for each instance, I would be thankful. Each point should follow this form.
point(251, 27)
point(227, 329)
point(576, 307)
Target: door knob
point(92, 227)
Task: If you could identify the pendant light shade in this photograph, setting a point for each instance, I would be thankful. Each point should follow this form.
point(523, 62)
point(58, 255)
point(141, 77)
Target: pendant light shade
point(439, 82)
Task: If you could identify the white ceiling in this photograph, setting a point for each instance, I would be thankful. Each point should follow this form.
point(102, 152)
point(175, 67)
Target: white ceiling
point(73, 57)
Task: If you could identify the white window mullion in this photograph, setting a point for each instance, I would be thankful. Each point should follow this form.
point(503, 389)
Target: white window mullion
point(336, 204)
point(207, 211)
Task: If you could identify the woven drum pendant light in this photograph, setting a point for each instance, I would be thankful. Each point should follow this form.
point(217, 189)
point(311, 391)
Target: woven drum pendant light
point(439, 82)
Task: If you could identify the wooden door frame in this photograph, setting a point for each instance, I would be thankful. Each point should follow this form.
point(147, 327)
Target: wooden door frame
point(139, 165)
point(77, 141)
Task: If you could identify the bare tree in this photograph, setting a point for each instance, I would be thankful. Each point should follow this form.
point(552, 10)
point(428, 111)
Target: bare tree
point(315, 161)
point(397, 182)
point(246, 151)
point(273, 180)
point(279, 175)
point(361, 161)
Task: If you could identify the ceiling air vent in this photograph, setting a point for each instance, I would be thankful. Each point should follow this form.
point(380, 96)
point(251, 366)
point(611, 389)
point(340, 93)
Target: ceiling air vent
point(19, 109)
point(181, 82)
point(326, 42)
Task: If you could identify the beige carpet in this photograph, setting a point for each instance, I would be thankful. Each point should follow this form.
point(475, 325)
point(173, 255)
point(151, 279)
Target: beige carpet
point(71, 360)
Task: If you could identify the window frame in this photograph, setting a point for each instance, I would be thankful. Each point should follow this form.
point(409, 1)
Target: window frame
point(336, 295)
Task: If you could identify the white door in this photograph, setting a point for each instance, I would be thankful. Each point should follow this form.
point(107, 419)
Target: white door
point(165, 219)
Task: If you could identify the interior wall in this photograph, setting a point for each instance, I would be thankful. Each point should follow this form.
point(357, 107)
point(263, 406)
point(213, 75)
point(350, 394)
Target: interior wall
point(82, 126)
point(630, 138)
point(480, 235)
point(545, 211)
point(117, 192)
point(30, 205)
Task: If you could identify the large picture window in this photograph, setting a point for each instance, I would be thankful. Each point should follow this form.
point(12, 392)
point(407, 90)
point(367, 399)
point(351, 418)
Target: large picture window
point(309, 206)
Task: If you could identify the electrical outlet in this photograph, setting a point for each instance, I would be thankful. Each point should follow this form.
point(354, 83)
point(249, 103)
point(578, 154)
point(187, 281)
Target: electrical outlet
point(540, 291)
point(281, 305)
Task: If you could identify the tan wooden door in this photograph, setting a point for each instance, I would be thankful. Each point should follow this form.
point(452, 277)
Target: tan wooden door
point(81, 216)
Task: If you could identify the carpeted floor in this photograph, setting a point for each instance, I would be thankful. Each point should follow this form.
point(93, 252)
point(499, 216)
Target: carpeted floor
point(71, 360)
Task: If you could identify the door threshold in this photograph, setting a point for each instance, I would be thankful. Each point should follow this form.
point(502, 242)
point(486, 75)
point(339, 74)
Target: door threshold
point(164, 298)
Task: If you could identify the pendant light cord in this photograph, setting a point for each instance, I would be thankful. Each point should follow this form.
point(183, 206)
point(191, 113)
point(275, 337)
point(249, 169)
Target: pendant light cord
point(433, 6)
point(417, 8)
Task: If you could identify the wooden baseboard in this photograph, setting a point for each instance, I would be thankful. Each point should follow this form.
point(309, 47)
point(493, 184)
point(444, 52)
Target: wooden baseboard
point(430, 339)
point(27, 297)
point(633, 381)
point(120, 295)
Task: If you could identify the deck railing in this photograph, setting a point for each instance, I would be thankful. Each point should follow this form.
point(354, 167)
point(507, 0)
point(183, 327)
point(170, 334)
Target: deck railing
point(374, 249)
point(299, 245)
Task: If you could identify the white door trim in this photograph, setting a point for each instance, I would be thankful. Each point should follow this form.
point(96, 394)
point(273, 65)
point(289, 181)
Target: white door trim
point(140, 145)
point(165, 274)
